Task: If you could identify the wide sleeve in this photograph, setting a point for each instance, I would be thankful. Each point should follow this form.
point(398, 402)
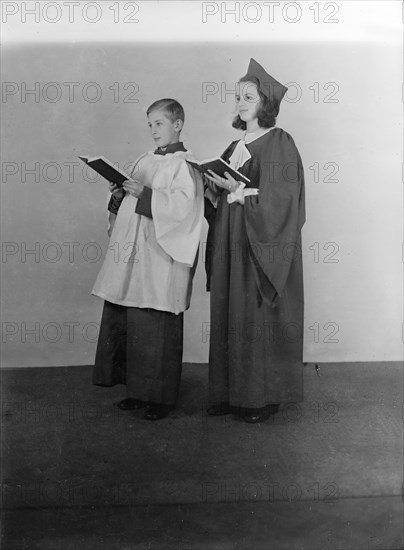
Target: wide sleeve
point(177, 209)
point(274, 218)
point(115, 203)
point(143, 205)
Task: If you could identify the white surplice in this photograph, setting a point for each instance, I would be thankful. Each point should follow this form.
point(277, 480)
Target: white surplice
point(149, 262)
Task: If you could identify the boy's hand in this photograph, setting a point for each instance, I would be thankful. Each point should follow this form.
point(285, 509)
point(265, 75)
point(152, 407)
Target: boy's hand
point(112, 219)
point(118, 192)
point(133, 187)
point(228, 183)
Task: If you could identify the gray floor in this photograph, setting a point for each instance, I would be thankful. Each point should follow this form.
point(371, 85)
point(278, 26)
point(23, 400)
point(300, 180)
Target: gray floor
point(78, 474)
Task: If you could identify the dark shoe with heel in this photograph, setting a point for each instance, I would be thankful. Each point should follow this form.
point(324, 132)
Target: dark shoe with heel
point(259, 415)
point(157, 411)
point(131, 404)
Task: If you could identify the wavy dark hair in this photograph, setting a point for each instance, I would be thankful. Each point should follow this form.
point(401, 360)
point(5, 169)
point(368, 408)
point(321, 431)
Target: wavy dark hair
point(266, 113)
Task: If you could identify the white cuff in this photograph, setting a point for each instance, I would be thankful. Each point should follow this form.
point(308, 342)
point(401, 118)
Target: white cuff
point(240, 193)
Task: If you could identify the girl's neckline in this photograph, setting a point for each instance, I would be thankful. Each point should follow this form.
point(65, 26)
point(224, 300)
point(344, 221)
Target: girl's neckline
point(252, 136)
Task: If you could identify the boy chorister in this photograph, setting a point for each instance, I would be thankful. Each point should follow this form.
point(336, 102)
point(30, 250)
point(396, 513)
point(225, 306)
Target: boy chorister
point(146, 277)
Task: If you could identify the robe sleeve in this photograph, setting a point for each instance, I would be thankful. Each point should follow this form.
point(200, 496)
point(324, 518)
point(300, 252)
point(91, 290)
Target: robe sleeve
point(177, 209)
point(114, 204)
point(274, 218)
point(143, 205)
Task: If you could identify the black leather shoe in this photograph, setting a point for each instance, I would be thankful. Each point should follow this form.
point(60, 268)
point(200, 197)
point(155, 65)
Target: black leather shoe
point(130, 404)
point(260, 415)
point(157, 411)
point(219, 410)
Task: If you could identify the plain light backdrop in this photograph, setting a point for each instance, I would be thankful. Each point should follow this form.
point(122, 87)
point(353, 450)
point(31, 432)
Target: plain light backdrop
point(343, 110)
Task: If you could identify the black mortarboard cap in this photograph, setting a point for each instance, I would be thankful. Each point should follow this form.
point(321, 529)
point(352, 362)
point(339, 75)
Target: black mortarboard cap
point(270, 87)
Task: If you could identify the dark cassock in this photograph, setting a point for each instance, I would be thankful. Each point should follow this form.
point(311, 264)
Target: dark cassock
point(254, 268)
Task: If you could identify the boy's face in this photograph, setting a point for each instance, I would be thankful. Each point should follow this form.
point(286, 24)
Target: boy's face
point(162, 129)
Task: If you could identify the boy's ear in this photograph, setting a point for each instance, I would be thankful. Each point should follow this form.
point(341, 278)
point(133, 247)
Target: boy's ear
point(178, 125)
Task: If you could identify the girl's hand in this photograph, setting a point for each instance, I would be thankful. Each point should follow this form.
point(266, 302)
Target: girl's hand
point(208, 184)
point(133, 187)
point(118, 192)
point(228, 183)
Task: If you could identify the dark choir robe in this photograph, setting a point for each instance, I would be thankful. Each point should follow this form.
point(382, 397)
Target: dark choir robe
point(141, 347)
point(254, 265)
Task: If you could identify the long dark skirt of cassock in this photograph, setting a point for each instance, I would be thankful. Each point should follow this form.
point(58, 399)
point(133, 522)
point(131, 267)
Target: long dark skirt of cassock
point(141, 348)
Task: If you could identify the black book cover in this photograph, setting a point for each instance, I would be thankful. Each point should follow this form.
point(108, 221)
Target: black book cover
point(105, 168)
point(219, 166)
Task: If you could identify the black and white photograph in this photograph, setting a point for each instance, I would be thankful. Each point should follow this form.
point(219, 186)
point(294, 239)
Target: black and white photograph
point(202, 275)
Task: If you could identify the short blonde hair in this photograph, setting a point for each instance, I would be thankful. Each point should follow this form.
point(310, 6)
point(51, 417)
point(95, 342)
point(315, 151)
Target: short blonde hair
point(173, 109)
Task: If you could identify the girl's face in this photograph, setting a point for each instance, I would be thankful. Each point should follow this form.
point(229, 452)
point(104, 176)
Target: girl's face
point(247, 101)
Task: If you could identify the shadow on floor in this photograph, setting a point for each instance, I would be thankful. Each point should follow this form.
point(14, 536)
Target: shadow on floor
point(80, 474)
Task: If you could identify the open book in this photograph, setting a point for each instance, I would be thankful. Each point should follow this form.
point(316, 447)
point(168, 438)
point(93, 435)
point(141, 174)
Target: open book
point(105, 168)
point(219, 166)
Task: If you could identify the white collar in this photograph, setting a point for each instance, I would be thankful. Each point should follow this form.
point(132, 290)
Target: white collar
point(252, 136)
